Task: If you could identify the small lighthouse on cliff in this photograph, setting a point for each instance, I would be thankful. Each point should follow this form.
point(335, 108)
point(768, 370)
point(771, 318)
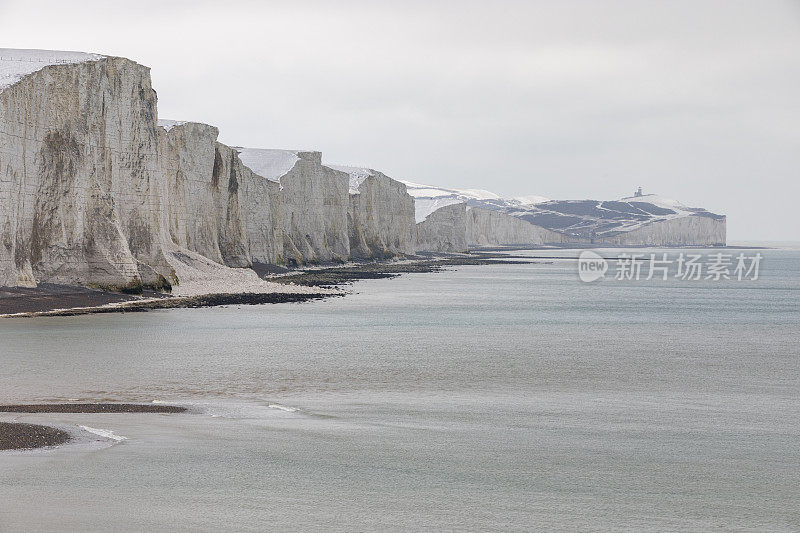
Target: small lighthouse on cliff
point(638, 193)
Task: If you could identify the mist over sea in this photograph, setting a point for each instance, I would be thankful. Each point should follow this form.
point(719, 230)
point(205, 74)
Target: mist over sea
point(503, 397)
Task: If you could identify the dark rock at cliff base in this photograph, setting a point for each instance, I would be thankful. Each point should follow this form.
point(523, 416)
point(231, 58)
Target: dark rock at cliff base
point(49, 296)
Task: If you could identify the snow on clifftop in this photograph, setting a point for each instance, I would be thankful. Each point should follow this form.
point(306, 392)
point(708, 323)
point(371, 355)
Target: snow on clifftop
point(428, 198)
point(15, 64)
point(417, 190)
point(169, 124)
point(357, 175)
point(268, 163)
point(531, 199)
point(423, 207)
point(656, 200)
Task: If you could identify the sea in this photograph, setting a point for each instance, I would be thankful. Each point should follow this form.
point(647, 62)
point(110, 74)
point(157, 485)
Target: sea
point(507, 397)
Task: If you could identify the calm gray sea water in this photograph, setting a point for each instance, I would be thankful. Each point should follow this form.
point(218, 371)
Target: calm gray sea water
point(486, 398)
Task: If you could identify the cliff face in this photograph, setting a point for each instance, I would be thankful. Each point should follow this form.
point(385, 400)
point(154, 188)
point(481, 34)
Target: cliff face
point(444, 230)
point(486, 228)
point(693, 230)
point(455, 227)
point(218, 207)
point(380, 221)
point(639, 220)
point(93, 191)
point(646, 219)
point(260, 199)
point(188, 159)
point(80, 187)
point(275, 206)
point(313, 204)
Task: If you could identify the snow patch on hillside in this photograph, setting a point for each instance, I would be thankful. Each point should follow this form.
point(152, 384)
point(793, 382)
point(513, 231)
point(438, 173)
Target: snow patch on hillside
point(531, 199)
point(429, 198)
point(659, 201)
point(418, 190)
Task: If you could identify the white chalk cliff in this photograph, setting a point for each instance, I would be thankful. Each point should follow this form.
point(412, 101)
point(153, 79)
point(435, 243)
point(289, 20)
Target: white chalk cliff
point(81, 194)
point(532, 220)
point(444, 230)
point(313, 205)
point(485, 227)
point(95, 190)
point(452, 220)
point(644, 219)
point(380, 220)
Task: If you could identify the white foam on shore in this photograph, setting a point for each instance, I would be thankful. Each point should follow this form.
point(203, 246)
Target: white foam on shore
point(105, 433)
point(247, 410)
point(283, 407)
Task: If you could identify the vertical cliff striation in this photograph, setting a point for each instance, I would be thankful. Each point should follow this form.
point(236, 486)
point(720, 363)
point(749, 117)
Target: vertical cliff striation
point(443, 230)
point(489, 228)
point(699, 229)
point(218, 207)
point(80, 187)
point(380, 220)
point(314, 202)
point(188, 159)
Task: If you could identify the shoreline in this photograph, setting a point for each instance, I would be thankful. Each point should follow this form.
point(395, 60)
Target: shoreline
point(178, 302)
point(336, 276)
point(310, 283)
point(23, 436)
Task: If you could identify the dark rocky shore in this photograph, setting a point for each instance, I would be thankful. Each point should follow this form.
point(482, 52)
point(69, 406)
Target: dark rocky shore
point(15, 436)
point(49, 296)
point(340, 275)
point(63, 300)
point(131, 305)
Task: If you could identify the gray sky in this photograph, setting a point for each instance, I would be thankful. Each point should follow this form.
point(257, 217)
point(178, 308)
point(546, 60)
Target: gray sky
point(695, 100)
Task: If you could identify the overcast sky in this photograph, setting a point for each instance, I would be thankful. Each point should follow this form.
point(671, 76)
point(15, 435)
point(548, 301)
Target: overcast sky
point(695, 100)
